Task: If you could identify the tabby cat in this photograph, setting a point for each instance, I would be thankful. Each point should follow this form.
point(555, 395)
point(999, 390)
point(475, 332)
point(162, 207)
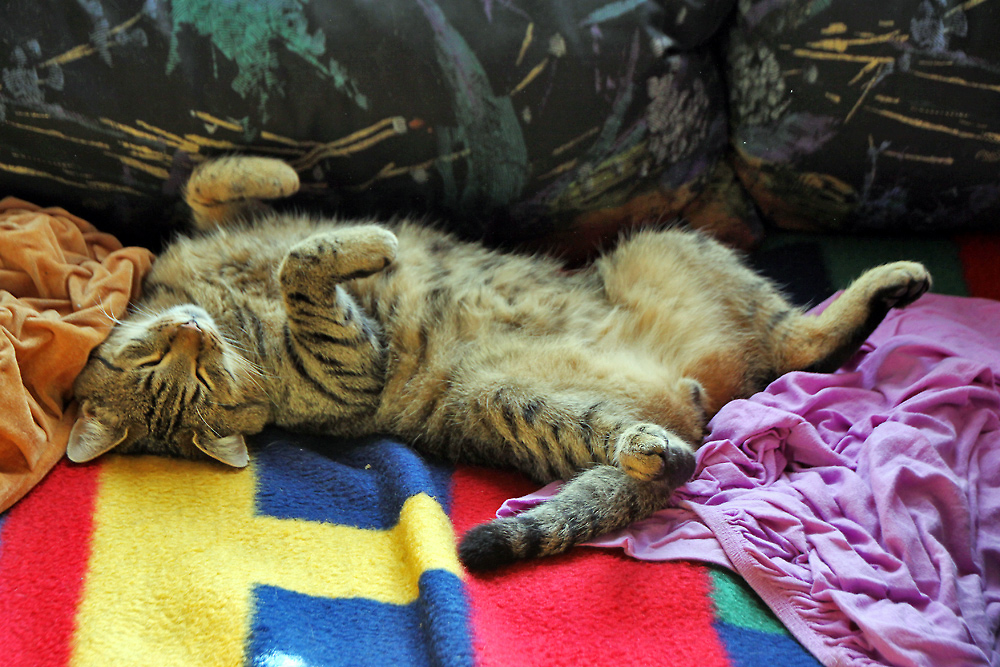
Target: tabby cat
point(605, 376)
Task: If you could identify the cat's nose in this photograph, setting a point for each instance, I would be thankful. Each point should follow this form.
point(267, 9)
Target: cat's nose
point(188, 334)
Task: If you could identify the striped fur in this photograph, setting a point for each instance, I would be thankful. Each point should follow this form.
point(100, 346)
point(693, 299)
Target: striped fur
point(605, 377)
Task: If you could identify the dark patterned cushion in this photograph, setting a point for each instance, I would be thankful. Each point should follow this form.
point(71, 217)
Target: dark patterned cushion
point(852, 114)
point(515, 121)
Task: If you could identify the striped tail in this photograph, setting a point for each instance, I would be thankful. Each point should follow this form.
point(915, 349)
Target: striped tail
point(597, 501)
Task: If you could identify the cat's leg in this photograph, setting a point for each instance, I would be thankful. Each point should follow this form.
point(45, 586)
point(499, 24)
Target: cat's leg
point(597, 501)
point(337, 255)
point(330, 339)
point(550, 433)
point(824, 342)
point(232, 188)
point(648, 451)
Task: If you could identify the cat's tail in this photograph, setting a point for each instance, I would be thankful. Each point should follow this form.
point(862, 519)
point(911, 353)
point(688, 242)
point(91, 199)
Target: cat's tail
point(233, 188)
point(597, 501)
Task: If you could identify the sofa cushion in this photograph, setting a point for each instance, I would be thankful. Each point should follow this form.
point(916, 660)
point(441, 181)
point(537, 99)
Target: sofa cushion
point(512, 124)
point(851, 115)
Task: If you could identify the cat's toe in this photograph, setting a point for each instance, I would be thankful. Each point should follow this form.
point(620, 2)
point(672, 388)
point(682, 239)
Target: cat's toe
point(644, 467)
point(647, 452)
point(903, 283)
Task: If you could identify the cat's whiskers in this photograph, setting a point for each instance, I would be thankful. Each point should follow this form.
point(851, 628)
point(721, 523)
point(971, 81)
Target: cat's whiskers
point(140, 309)
point(260, 387)
point(243, 359)
point(114, 320)
point(215, 434)
point(249, 367)
point(245, 352)
point(242, 368)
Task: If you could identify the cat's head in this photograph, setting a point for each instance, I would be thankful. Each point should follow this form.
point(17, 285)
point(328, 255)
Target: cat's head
point(168, 384)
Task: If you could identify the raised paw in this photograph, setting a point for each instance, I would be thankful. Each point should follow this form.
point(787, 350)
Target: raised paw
point(649, 451)
point(341, 254)
point(900, 283)
point(241, 177)
point(233, 188)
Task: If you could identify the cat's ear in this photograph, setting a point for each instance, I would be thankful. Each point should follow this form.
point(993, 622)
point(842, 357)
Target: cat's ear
point(231, 450)
point(698, 398)
point(695, 390)
point(91, 437)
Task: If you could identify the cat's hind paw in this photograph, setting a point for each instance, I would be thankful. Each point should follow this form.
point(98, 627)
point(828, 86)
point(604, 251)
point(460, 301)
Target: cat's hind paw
point(648, 451)
point(899, 284)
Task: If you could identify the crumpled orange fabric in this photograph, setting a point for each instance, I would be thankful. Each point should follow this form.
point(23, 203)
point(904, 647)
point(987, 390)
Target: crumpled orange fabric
point(61, 284)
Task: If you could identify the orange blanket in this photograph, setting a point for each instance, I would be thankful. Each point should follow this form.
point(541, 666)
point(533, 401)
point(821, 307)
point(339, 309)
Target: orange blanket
point(61, 285)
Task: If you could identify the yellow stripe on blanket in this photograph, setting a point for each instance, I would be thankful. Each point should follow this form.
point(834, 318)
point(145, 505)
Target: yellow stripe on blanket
point(178, 547)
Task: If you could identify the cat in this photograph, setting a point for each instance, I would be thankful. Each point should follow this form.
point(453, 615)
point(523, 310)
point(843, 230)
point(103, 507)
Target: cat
point(604, 376)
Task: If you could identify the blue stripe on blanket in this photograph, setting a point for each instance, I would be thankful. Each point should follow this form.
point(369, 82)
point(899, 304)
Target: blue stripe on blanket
point(290, 629)
point(747, 647)
point(361, 483)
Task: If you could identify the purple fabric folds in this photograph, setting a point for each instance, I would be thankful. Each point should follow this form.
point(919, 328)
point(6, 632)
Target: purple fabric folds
point(862, 506)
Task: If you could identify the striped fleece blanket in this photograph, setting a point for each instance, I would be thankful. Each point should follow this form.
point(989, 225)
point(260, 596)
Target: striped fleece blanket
point(328, 552)
point(333, 554)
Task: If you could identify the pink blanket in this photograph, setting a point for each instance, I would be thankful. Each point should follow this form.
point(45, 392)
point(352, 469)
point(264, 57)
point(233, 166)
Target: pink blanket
point(864, 506)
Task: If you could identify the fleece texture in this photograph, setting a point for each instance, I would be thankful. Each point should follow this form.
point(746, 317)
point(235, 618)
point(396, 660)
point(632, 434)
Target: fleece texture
point(61, 284)
point(327, 552)
point(180, 563)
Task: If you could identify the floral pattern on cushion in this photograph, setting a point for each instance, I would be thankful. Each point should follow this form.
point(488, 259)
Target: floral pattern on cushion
point(851, 115)
point(511, 121)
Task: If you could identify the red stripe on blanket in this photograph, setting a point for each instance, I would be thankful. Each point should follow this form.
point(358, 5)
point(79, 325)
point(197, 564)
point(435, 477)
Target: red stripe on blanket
point(44, 549)
point(979, 253)
point(588, 607)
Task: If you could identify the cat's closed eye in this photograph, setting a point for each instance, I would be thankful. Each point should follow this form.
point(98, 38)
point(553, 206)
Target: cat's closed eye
point(202, 376)
point(150, 362)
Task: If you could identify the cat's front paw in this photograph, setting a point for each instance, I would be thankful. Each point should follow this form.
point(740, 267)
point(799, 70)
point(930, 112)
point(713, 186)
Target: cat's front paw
point(648, 451)
point(341, 254)
point(899, 284)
